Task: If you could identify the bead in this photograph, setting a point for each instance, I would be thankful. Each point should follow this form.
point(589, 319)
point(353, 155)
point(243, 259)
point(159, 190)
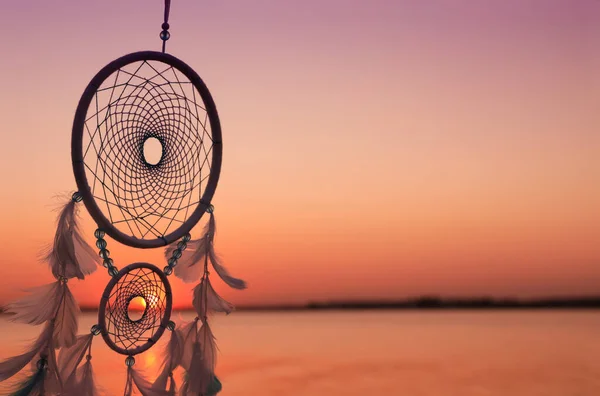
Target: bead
point(108, 263)
point(165, 26)
point(41, 363)
point(168, 270)
point(130, 361)
point(99, 233)
point(164, 35)
point(214, 387)
point(76, 197)
point(210, 208)
point(113, 271)
point(95, 330)
point(101, 243)
point(88, 357)
point(172, 262)
point(181, 245)
point(177, 253)
point(171, 325)
point(104, 253)
point(186, 238)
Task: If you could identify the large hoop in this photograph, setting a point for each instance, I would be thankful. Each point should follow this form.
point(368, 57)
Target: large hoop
point(153, 95)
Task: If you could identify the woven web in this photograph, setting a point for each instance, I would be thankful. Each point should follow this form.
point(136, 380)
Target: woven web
point(142, 100)
point(122, 330)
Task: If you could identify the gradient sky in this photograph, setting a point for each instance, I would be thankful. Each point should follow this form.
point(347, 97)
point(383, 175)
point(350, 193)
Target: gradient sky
point(372, 149)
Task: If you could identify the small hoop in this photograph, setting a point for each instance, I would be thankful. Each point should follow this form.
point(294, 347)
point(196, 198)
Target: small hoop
point(119, 331)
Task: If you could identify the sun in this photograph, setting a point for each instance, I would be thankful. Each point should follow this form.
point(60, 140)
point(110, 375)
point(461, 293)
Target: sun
point(137, 304)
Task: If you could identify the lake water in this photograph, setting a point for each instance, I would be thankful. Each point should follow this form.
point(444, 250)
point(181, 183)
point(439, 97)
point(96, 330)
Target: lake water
point(443, 353)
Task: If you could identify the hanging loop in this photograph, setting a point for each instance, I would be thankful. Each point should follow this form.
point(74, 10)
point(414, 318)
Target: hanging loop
point(165, 35)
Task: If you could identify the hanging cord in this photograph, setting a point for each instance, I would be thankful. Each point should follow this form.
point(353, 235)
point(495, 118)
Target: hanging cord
point(165, 35)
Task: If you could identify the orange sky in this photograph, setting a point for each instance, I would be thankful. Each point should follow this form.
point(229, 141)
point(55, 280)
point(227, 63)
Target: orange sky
point(374, 149)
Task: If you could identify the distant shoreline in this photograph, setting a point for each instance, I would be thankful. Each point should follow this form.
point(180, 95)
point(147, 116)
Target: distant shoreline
point(422, 304)
point(428, 303)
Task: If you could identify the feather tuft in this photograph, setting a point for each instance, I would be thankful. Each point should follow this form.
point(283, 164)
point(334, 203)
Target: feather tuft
point(172, 386)
point(128, 383)
point(85, 384)
point(189, 266)
point(144, 386)
point(32, 385)
point(172, 358)
point(53, 382)
point(37, 307)
point(12, 366)
point(206, 298)
point(209, 347)
point(183, 391)
point(199, 374)
point(70, 256)
point(65, 322)
point(223, 273)
point(69, 358)
point(202, 362)
point(188, 334)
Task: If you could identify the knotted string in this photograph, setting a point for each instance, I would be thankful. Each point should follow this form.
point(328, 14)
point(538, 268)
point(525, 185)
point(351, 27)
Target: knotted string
point(165, 35)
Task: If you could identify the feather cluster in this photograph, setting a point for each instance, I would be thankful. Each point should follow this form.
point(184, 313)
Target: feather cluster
point(172, 358)
point(13, 365)
point(54, 305)
point(85, 384)
point(207, 300)
point(199, 358)
point(198, 346)
point(195, 350)
point(70, 256)
point(144, 386)
point(190, 266)
point(70, 358)
point(32, 385)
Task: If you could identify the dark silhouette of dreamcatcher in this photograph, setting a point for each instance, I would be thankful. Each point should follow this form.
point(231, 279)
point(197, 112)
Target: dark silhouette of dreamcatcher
point(146, 152)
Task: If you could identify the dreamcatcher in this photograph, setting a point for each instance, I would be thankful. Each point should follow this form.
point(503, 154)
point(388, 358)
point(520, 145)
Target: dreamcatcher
point(142, 199)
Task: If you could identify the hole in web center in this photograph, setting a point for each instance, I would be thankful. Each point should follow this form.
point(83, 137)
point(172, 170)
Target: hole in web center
point(136, 308)
point(153, 151)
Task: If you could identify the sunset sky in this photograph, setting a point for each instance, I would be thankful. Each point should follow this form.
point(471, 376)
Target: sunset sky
point(372, 149)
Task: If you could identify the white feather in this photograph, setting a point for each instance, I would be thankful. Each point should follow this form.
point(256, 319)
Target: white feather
point(223, 273)
point(172, 388)
point(52, 383)
point(87, 258)
point(188, 335)
point(70, 357)
point(13, 365)
point(163, 379)
point(37, 307)
point(183, 391)
point(209, 347)
point(205, 297)
point(70, 256)
point(34, 385)
point(145, 386)
point(199, 376)
point(129, 383)
point(65, 322)
point(85, 385)
point(190, 265)
point(172, 357)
